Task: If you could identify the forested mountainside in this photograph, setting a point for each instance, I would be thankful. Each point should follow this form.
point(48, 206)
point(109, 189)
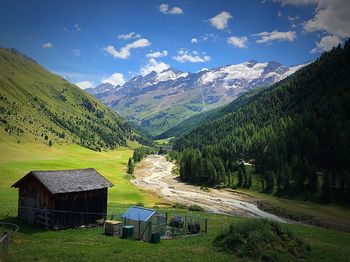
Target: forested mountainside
point(194, 121)
point(297, 135)
point(38, 104)
point(159, 100)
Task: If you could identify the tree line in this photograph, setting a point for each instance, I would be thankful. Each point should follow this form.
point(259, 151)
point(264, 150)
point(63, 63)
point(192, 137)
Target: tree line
point(138, 155)
point(296, 134)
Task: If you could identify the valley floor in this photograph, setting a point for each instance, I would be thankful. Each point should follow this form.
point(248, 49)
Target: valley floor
point(34, 243)
point(155, 174)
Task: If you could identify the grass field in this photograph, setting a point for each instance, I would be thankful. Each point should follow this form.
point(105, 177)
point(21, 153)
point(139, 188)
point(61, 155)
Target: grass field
point(17, 159)
point(33, 243)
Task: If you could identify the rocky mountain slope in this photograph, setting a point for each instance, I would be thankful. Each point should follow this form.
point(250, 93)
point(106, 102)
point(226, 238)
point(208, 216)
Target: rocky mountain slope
point(158, 101)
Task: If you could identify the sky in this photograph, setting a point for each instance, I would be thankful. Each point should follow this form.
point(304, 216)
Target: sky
point(93, 42)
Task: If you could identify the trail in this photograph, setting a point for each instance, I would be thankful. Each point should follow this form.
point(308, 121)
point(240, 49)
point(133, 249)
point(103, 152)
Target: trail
point(155, 175)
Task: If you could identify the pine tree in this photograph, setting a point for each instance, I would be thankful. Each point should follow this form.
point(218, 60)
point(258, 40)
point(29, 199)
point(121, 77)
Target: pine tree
point(326, 188)
point(130, 166)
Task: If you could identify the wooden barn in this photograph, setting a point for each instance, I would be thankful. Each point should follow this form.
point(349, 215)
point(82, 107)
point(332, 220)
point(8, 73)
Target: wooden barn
point(62, 199)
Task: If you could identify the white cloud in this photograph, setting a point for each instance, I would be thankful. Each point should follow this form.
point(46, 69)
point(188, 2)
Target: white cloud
point(267, 37)
point(164, 8)
point(157, 54)
point(331, 16)
point(85, 84)
point(153, 65)
point(194, 40)
point(115, 79)
point(128, 36)
point(77, 28)
point(76, 52)
point(220, 21)
point(326, 43)
point(125, 51)
point(194, 57)
point(47, 45)
point(240, 42)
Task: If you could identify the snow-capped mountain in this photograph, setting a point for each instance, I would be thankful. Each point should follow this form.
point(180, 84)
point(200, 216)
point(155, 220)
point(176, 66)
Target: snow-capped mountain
point(100, 88)
point(157, 101)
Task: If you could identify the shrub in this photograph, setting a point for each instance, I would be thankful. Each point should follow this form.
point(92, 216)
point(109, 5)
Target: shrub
point(176, 221)
point(178, 205)
point(261, 239)
point(193, 227)
point(195, 208)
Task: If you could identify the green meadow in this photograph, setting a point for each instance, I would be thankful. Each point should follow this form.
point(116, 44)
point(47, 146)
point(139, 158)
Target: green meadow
point(33, 243)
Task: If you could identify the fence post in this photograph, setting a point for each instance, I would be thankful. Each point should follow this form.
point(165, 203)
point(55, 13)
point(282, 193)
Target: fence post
point(166, 218)
point(139, 230)
point(206, 225)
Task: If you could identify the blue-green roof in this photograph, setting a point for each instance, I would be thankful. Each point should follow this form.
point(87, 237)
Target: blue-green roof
point(139, 213)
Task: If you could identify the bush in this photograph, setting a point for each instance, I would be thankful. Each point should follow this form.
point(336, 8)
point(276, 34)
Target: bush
point(178, 205)
point(176, 221)
point(193, 227)
point(195, 208)
point(261, 239)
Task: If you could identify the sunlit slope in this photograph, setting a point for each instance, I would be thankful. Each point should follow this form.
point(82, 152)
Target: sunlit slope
point(39, 104)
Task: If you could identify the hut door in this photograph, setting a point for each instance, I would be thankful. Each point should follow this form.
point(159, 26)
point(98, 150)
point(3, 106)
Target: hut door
point(27, 208)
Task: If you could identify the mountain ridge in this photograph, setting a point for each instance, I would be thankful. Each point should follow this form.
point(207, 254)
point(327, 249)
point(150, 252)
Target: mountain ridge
point(158, 101)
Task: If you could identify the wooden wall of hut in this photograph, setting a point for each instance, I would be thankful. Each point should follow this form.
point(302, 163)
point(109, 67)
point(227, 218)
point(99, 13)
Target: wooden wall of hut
point(78, 208)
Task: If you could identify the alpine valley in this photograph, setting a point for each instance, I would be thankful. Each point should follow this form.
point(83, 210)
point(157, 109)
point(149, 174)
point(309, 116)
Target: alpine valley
point(159, 100)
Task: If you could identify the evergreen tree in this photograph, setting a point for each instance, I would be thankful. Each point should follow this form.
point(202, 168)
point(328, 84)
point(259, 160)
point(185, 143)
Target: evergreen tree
point(130, 166)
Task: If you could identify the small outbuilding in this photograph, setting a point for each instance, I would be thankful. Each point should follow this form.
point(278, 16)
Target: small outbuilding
point(64, 198)
point(145, 222)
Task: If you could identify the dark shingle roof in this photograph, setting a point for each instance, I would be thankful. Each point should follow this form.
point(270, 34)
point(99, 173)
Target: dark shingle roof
point(66, 181)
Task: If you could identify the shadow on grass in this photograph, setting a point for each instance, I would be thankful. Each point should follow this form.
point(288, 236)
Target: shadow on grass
point(24, 228)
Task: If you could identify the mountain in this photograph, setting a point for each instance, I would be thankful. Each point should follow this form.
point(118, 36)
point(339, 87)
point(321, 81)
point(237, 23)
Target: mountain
point(194, 121)
point(41, 106)
point(296, 133)
point(100, 88)
point(158, 101)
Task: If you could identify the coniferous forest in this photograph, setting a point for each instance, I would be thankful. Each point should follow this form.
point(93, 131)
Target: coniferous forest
point(295, 133)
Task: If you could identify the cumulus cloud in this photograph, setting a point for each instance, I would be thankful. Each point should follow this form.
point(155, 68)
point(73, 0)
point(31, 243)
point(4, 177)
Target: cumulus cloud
point(326, 43)
point(153, 65)
point(76, 52)
point(164, 8)
point(240, 42)
point(48, 45)
point(194, 57)
point(157, 54)
point(125, 51)
point(220, 21)
point(85, 84)
point(194, 40)
point(77, 28)
point(128, 36)
point(267, 37)
point(115, 79)
point(331, 16)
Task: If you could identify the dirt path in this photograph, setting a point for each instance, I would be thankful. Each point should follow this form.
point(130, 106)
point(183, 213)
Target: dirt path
point(155, 174)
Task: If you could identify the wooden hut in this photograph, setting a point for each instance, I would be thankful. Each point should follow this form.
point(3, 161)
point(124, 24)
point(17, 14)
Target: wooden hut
point(62, 199)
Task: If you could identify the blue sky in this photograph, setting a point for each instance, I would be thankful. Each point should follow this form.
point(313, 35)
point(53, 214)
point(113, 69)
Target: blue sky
point(91, 42)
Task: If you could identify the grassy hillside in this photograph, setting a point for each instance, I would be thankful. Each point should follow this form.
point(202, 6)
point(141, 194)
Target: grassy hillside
point(17, 159)
point(38, 104)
